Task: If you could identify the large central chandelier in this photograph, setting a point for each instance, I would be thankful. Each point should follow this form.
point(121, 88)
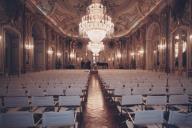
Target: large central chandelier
point(96, 24)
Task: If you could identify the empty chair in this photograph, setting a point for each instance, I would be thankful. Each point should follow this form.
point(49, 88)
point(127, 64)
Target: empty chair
point(133, 102)
point(3, 92)
point(154, 101)
point(58, 119)
point(69, 101)
point(17, 120)
point(180, 102)
point(36, 92)
point(42, 104)
point(31, 86)
point(140, 91)
point(159, 84)
point(188, 90)
point(158, 91)
point(1, 103)
point(122, 91)
point(174, 83)
point(42, 101)
point(1, 122)
point(15, 86)
point(73, 92)
point(150, 117)
point(145, 85)
point(178, 119)
point(54, 91)
point(16, 92)
point(175, 90)
point(16, 102)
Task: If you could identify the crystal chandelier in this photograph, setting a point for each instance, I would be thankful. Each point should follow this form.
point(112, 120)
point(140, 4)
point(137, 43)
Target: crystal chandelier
point(95, 48)
point(96, 24)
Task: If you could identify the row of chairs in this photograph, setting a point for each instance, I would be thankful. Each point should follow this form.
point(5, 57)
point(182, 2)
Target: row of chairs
point(59, 91)
point(120, 91)
point(47, 101)
point(43, 99)
point(139, 103)
point(158, 118)
point(149, 101)
point(48, 119)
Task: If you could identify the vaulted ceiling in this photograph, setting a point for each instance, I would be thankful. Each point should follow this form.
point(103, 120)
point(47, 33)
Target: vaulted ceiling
point(66, 14)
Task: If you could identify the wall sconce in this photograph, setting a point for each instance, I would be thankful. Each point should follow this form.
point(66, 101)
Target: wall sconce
point(161, 46)
point(50, 51)
point(72, 55)
point(0, 37)
point(155, 51)
point(184, 47)
point(109, 59)
point(177, 37)
point(79, 59)
point(141, 52)
point(119, 55)
point(29, 46)
point(190, 37)
point(59, 54)
point(132, 54)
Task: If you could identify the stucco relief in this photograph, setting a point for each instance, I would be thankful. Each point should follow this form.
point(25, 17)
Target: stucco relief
point(67, 13)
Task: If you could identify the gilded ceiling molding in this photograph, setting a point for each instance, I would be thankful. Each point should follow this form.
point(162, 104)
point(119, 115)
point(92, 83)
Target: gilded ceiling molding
point(66, 14)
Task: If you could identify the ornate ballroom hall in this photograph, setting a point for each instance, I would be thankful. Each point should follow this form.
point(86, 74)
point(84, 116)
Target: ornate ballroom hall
point(95, 63)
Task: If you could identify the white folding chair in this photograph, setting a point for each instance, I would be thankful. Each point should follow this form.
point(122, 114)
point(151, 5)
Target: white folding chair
point(31, 86)
point(158, 91)
point(15, 86)
point(1, 103)
point(73, 92)
point(175, 91)
point(36, 92)
point(181, 120)
point(132, 102)
point(42, 101)
point(156, 101)
point(16, 102)
point(122, 91)
point(69, 101)
point(54, 91)
point(39, 104)
point(1, 121)
point(17, 120)
point(58, 119)
point(16, 92)
point(3, 92)
point(140, 91)
point(150, 117)
point(179, 101)
point(188, 90)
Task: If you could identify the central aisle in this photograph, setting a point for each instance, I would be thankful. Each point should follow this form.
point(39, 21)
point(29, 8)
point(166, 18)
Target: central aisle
point(97, 115)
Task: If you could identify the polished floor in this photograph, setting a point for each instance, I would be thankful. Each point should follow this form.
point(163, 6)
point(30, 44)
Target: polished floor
point(97, 112)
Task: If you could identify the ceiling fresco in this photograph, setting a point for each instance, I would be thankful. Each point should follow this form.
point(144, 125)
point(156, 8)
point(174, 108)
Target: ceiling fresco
point(66, 14)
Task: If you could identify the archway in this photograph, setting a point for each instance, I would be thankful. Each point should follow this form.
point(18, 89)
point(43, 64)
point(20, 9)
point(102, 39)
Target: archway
point(38, 35)
point(180, 49)
point(152, 43)
point(12, 59)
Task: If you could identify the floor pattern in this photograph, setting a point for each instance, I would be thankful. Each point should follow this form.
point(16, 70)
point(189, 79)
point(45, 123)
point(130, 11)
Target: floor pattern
point(97, 113)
